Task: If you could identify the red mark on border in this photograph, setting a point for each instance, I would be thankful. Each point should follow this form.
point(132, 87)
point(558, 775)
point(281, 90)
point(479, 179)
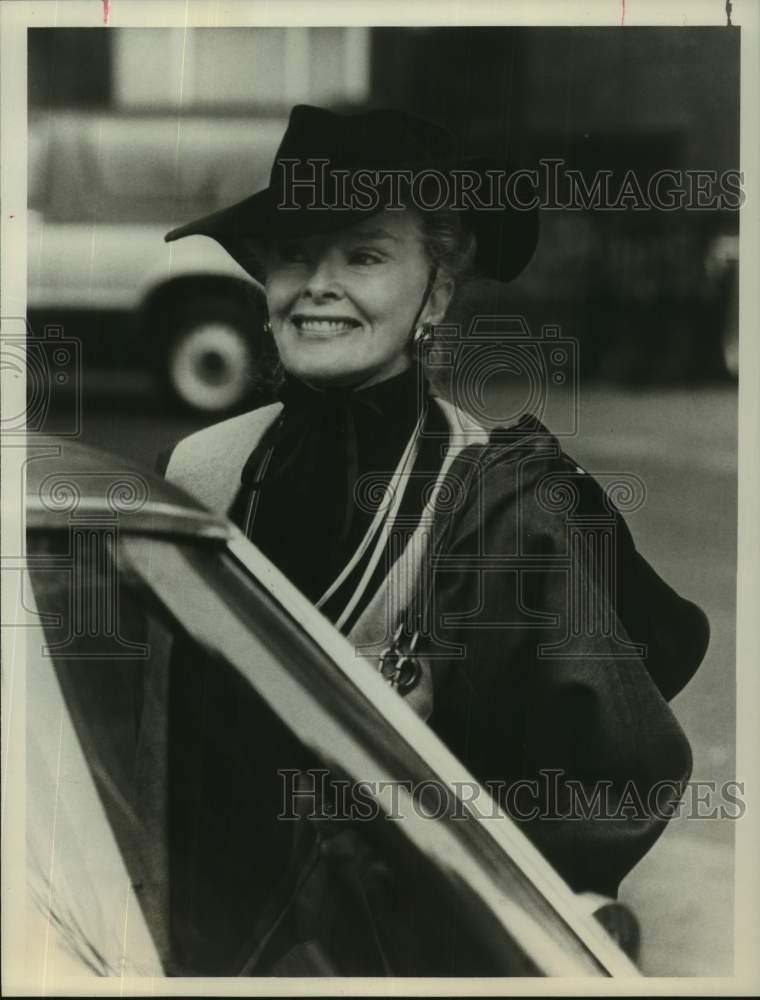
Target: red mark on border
point(622, 12)
point(106, 10)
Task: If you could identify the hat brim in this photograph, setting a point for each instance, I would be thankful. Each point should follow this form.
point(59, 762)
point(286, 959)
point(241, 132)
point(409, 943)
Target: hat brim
point(506, 235)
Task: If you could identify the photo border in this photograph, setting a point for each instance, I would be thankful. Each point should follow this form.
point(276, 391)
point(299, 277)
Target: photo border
point(15, 17)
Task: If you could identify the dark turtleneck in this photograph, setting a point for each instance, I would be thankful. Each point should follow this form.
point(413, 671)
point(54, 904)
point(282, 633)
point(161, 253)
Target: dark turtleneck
point(307, 519)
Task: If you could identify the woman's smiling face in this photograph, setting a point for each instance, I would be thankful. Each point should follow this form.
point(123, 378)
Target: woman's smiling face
point(342, 305)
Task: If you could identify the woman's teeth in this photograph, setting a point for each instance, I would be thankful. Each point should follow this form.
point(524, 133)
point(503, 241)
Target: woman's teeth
point(323, 326)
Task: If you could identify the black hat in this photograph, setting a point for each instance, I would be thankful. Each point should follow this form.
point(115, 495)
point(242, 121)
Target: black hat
point(377, 143)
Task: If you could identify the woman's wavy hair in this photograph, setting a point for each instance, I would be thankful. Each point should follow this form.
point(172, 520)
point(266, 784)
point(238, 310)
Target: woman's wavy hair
point(450, 246)
point(449, 242)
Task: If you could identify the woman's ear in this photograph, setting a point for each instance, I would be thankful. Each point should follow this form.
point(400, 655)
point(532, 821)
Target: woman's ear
point(438, 301)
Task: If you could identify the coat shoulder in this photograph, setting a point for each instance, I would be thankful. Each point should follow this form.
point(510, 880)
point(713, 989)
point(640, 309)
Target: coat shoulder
point(208, 463)
point(503, 476)
point(531, 497)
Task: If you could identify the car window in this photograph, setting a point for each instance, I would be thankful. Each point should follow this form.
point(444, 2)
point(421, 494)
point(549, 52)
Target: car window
point(80, 916)
point(206, 786)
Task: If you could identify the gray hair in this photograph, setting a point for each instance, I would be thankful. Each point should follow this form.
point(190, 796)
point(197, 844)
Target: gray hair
point(448, 241)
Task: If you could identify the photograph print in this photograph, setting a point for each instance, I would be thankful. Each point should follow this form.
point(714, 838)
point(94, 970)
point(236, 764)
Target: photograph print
point(379, 447)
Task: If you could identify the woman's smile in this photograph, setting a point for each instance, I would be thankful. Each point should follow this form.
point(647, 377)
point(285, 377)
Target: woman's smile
point(320, 326)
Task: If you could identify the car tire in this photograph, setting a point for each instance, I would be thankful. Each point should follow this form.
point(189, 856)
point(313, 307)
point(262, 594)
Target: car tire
point(211, 358)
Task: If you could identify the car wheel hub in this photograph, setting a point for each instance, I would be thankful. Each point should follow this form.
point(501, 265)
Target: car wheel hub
point(210, 367)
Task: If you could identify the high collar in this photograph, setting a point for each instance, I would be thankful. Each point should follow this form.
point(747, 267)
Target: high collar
point(305, 474)
point(363, 427)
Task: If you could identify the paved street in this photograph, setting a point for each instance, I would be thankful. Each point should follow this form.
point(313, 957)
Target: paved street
point(682, 444)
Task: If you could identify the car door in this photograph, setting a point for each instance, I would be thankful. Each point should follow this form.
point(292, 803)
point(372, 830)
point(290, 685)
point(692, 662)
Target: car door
point(274, 802)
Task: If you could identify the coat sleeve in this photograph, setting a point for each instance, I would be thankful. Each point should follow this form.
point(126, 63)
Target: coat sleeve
point(548, 699)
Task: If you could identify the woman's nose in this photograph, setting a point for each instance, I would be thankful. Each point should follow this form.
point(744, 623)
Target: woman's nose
point(324, 279)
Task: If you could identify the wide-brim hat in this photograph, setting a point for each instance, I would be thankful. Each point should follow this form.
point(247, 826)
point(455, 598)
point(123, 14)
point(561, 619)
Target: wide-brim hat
point(314, 187)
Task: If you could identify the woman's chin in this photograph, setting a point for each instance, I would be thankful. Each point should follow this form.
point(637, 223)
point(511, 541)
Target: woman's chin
point(334, 364)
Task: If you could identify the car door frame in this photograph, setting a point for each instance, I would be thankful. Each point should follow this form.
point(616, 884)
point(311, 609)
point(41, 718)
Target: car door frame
point(374, 734)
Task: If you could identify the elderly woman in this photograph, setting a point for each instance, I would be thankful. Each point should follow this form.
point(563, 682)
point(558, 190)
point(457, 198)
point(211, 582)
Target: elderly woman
point(408, 523)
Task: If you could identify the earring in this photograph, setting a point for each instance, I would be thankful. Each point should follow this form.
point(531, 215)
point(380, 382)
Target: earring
point(423, 331)
point(267, 327)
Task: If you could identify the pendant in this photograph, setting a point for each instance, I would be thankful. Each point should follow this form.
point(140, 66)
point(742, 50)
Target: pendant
point(398, 663)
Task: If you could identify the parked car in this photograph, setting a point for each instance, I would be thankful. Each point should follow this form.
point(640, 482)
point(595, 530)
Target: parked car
point(103, 191)
point(174, 679)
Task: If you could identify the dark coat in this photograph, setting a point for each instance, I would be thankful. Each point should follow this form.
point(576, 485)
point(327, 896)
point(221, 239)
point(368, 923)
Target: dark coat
point(523, 568)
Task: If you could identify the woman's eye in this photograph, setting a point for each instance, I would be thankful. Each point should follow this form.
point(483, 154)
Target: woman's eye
point(362, 257)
